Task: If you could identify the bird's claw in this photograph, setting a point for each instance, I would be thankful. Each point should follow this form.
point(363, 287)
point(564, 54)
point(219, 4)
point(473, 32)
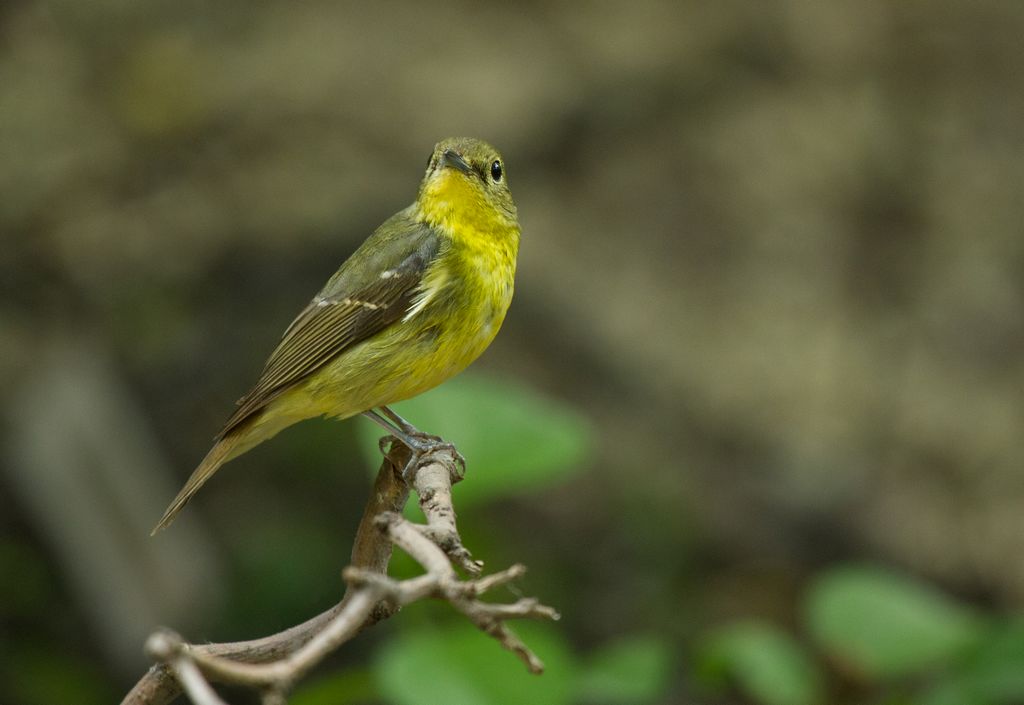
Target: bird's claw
point(420, 444)
point(429, 446)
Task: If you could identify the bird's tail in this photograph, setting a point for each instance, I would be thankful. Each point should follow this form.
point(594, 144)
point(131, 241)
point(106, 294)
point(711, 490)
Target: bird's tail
point(226, 448)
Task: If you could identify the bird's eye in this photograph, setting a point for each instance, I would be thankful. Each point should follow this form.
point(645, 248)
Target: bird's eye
point(496, 170)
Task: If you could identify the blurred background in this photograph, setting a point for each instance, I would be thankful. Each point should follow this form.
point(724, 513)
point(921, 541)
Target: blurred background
point(754, 419)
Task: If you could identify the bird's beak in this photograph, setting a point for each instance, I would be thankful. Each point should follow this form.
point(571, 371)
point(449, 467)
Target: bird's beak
point(453, 159)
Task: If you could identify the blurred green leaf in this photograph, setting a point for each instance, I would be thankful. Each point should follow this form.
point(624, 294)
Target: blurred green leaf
point(993, 675)
point(461, 665)
point(630, 671)
point(513, 439)
point(879, 624)
point(342, 688)
point(765, 663)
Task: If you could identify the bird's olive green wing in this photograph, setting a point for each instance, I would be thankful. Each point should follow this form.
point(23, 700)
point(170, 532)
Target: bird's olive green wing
point(372, 290)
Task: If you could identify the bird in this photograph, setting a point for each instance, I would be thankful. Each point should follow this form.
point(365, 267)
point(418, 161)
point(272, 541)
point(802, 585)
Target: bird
point(414, 305)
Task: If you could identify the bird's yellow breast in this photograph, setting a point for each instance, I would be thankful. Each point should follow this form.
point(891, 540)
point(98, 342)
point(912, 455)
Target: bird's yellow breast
point(453, 317)
point(465, 295)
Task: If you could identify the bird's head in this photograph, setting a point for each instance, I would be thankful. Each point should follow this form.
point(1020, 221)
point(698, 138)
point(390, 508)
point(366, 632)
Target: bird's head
point(466, 186)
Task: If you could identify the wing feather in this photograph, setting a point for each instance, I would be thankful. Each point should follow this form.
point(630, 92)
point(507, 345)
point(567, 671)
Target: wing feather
point(371, 291)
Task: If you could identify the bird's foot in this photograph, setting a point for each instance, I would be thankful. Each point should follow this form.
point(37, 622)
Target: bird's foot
point(420, 444)
point(423, 445)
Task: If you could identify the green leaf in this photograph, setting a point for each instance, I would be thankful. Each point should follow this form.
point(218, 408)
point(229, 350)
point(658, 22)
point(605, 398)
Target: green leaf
point(993, 675)
point(877, 624)
point(765, 663)
point(631, 671)
point(342, 688)
point(461, 665)
point(514, 440)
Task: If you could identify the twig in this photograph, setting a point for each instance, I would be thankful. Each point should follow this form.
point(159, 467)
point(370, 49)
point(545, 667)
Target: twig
point(159, 685)
point(435, 493)
point(273, 664)
point(166, 646)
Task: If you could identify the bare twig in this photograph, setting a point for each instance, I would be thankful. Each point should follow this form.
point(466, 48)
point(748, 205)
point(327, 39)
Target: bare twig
point(167, 646)
point(159, 685)
point(273, 664)
point(437, 506)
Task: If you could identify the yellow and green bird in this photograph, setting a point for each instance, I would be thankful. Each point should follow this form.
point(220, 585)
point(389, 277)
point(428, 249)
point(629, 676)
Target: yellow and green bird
point(419, 300)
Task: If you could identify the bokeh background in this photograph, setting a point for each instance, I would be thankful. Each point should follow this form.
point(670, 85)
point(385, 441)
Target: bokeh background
point(755, 418)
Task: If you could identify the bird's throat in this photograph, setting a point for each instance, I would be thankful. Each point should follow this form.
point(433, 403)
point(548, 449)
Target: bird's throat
point(459, 208)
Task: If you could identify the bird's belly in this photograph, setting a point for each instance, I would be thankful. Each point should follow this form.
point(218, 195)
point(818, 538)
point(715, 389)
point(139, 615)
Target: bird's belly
point(403, 361)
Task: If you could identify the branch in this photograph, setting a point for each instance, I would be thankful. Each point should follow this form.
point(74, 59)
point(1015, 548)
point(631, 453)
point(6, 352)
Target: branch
point(275, 663)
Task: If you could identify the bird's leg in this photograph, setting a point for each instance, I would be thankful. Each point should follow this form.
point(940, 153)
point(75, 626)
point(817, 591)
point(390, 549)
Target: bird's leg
point(386, 425)
point(428, 441)
point(407, 427)
point(417, 441)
